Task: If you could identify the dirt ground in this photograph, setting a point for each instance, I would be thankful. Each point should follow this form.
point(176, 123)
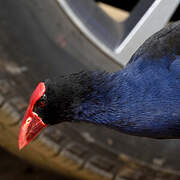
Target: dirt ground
point(13, 168)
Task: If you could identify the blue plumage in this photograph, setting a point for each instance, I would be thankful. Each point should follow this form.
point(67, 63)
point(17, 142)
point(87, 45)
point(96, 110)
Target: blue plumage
point(144, 98)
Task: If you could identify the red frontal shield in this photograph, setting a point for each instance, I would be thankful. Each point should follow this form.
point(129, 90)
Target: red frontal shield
point(31, 124)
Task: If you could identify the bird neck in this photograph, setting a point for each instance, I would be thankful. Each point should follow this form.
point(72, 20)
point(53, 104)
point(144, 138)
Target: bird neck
point(108, 103)
point(126, 101)
point(123, 100)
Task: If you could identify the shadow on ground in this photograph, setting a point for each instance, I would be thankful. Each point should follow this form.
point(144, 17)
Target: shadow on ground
point(13, 168)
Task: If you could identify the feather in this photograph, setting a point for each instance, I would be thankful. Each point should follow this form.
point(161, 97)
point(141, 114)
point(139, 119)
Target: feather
point(164, 43)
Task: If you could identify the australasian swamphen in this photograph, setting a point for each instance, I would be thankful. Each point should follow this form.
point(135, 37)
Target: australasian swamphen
point(143, 99)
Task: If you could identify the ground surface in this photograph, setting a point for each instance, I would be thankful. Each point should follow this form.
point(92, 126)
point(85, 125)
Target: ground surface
point(13, 168)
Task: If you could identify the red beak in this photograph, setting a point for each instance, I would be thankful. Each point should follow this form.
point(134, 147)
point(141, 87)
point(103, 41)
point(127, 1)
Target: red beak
point(31, 124)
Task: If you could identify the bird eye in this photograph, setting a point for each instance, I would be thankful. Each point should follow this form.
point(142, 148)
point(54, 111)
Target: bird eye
point(41, 104)
point(42, 101)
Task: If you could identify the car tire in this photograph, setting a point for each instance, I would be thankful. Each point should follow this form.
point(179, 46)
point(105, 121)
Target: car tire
point(38, 40)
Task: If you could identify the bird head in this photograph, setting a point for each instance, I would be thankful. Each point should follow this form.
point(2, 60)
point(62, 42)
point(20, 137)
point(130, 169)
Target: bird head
point(52, 102)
